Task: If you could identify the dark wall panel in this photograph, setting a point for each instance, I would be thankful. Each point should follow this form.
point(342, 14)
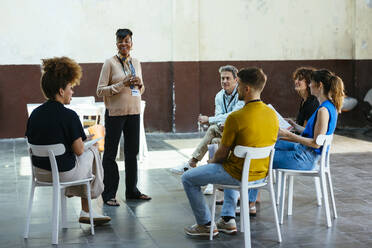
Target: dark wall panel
point(186, 79)
point(196, 84)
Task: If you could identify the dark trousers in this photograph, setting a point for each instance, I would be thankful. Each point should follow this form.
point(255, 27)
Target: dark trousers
point(115, 125)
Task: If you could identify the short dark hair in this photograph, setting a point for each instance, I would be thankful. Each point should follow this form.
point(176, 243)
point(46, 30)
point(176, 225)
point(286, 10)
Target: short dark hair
point(253, 76)
point(121, 33)
point(57, 73)
point(229, 68)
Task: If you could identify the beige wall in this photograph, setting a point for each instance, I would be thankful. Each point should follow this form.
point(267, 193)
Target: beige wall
point(186, 30)
point(276, 30)
point(363, 29)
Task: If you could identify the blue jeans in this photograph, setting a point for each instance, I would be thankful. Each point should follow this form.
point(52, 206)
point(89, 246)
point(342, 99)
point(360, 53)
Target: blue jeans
point(294, 156)
point(202, 175)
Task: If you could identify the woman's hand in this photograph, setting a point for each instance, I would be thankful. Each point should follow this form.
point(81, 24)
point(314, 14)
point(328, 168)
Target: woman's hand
point(127, 81)
point(136, 81)
point(295, 126)
point(284, 134)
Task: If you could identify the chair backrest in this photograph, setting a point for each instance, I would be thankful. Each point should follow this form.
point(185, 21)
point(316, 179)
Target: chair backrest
point(50, 151)
point(368, 97)
point(254, 153)
point(325, 141)
point(82, 99)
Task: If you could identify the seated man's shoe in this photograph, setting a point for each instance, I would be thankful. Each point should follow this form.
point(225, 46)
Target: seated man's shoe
point(252, 211)
point(228, 227)
point(98, 219)
point(181, 168)
point(208, 190)
point(200, 230)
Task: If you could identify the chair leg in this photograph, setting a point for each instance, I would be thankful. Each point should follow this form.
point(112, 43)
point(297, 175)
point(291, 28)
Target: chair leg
point(332, 195)
point(90, 208)
point(325, 199)
point(213, 213)
point(63, 209)
point(278, 186)
point(244, 213)
point(55, 217)
point(318, 191)
point(290, 194)
point(273, 204)
point(29, 210)
point(282, 197)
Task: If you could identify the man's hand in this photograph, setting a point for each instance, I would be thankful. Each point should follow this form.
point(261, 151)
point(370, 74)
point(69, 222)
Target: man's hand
point(221, 126)
point(203, 119)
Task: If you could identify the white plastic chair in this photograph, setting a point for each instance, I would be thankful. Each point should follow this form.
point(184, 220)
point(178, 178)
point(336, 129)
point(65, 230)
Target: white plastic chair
point(323, 174)
point(82, 100)
point(58, 188)
point(249, 153)
point(143, 150)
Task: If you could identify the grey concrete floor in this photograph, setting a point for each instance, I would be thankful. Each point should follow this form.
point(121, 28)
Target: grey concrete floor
point(160, 222)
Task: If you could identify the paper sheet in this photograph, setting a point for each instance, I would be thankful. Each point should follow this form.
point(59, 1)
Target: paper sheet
point(89, 143)
point(282, 123)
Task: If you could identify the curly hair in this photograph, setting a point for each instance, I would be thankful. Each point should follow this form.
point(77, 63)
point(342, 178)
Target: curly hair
point(57, 72)
point(302, 73)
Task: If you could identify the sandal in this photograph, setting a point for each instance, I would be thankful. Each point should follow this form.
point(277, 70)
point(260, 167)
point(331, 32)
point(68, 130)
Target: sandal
point(141, 196)
point(112, 202)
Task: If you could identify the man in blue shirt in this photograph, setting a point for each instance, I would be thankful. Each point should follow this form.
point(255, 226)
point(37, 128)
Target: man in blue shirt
point(226, 101)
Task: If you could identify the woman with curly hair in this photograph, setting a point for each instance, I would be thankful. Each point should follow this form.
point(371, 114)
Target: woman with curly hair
point(53, 123)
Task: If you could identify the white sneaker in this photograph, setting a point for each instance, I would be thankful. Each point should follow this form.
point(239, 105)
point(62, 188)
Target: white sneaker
point(208, 190)
point(97, 218)
point(181, 168)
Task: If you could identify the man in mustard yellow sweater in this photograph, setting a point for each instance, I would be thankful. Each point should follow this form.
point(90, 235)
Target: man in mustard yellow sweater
point(255, 125)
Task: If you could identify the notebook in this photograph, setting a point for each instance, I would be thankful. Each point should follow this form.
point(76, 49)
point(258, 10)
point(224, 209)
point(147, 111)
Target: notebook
point(89, 143)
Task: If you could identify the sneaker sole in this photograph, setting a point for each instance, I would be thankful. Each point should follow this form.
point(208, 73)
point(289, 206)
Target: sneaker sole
point(200, 234)
point(96, 221)
point(228, 231)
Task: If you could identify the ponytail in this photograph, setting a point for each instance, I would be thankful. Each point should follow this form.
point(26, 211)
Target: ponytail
point(336, 92)
point(332, 85)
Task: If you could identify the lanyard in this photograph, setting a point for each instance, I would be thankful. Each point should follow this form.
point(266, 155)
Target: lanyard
point(131, 67)
point(224, 102)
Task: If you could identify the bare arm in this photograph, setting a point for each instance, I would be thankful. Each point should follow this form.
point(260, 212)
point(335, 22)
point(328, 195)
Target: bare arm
point(220, 155)
point(78, 146)
point(320, 127)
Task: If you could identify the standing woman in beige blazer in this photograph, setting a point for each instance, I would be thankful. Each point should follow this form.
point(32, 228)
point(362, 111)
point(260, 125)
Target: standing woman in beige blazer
point(121, 86)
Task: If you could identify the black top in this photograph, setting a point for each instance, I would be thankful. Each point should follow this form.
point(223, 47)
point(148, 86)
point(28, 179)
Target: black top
point(52, 123)
point(307, 108)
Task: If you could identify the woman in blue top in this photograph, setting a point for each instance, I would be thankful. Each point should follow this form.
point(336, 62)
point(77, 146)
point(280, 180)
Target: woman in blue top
point(301, 152)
